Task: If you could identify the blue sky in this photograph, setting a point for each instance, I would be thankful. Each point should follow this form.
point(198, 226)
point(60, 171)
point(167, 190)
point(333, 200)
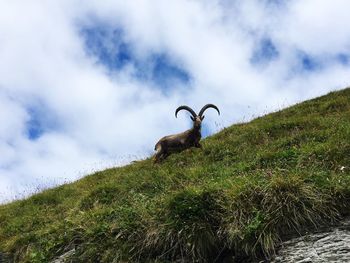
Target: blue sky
point(264, 52)
point(85, 87)
point(110, 49)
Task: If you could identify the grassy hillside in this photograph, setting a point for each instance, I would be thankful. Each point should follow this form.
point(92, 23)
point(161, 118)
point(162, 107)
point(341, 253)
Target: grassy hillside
point(250, 186)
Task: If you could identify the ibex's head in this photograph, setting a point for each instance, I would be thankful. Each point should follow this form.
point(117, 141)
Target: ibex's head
point(197, 119)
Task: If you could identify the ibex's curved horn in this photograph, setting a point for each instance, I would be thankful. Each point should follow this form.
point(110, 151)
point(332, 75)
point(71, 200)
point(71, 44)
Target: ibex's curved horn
point(206, 107)
point(185, 108)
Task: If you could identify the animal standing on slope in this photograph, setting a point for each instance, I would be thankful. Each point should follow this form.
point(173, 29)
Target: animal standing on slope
point(184, 140)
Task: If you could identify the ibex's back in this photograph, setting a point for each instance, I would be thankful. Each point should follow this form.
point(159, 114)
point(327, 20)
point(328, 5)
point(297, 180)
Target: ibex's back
point(184, 140)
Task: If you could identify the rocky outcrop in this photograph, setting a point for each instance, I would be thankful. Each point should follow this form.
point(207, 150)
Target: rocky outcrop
point(331, 245)
point(65, 257)
point(3, 258)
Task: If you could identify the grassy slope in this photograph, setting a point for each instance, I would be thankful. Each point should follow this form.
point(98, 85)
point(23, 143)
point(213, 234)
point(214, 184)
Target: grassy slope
point(250, 186)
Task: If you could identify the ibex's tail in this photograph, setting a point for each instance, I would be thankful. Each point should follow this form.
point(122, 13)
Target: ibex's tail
point(158, 154)
point(157, 146)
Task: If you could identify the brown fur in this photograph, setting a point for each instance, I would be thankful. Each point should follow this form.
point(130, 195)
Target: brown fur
point(179, 142)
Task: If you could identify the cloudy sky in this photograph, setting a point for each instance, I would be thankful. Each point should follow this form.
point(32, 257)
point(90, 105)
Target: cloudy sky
point(91, 84)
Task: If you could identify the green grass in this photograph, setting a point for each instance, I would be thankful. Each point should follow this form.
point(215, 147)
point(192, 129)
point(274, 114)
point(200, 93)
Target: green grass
point(252, 185)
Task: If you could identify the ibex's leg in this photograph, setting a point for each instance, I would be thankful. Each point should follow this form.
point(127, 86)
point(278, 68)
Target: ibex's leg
point(197, 145)
point(157, 157)
point(160, 154)
point(165, 155)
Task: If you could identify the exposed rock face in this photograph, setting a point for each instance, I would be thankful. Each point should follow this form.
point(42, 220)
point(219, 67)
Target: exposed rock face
point(332, 245)
point(65, 257)
point(3, 258)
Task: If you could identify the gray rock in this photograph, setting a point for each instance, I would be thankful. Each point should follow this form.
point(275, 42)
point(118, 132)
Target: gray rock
point(332, 245)
point(64, 258)
point(4, 258)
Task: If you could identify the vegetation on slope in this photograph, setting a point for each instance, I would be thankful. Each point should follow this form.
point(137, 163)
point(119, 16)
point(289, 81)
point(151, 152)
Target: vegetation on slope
point(250, 186)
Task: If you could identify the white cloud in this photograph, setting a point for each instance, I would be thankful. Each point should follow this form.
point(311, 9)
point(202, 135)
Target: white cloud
point(101, 116)
point(318, 27)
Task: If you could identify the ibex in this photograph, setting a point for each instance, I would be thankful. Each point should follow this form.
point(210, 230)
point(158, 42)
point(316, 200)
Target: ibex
point(184, 140)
